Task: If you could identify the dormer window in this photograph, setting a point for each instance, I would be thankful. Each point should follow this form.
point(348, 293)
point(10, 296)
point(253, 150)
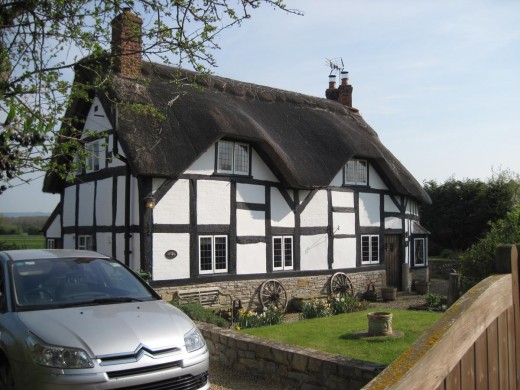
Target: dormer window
point(233, 158)
point(356, 172)
point(94, 155)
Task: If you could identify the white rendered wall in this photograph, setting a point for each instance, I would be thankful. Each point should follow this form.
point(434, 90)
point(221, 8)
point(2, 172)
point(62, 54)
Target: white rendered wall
point(177, 268)
point(54, 229)
point(344, 223)
point(250, 223)
point(281, 213)
point(250, 193)
point(134, 201)
point(316, 212)
point(114, 161)
point(313, 252)
point(69, 241)
point(104, 243)
point(104, 202)
point(86, 204)
point(121, 201)
point(342, 199)
point(338, 179)
point(369, 214)
point(344, 253)
point(204, 165)
point(120, 247)
point(174, 207)
point(259, 170)
point(69, 206)
point(135, 256)
point(97, 118)
point(390, 206)
point(375, 179)
point(213, 202)
point(251, 258)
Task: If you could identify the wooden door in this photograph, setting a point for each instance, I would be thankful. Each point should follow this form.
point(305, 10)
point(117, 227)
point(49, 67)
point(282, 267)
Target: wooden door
point(392, 251)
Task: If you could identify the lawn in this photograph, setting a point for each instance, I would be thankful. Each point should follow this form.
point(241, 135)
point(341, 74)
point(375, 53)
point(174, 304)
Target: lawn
point(22, 241)
point(342, 334)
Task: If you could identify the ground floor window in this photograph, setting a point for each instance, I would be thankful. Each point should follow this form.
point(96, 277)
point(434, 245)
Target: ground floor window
point(85, 243)
point(419, 251)
point(282, 252)
point(213, 254)
point(51, 243)
point(369, 249)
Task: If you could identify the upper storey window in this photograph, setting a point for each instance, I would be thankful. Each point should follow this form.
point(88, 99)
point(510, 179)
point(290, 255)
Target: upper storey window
point(233, 158)
point(356, 172)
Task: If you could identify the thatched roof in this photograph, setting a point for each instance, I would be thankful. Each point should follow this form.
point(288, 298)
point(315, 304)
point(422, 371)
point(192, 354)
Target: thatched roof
point(305, 140)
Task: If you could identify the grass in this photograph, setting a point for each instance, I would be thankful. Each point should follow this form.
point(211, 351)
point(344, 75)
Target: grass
point(22, 241)
point(341, 334)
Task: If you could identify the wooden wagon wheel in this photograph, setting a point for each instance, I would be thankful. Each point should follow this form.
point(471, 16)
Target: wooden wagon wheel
point(273, 295)
point(340, 284)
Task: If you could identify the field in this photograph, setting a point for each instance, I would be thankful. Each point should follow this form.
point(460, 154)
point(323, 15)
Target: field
point(22, 242)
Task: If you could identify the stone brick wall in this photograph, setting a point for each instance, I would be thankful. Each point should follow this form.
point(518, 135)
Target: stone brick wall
point(247, 291)
point(298, 368)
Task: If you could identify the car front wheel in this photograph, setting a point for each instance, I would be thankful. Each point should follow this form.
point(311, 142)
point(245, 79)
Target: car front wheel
point(6, 377)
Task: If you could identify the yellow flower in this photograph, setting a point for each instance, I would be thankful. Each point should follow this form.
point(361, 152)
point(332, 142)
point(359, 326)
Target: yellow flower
point(237, 327)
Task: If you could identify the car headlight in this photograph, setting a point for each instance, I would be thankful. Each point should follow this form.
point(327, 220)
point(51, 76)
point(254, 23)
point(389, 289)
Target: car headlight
point(57, 356)
point(194, 340)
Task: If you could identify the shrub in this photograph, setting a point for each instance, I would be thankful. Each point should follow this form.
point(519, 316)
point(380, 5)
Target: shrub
point(315, 308)
point(346, 304)
point(197, 312)
point(433, 300)
point(253, 319)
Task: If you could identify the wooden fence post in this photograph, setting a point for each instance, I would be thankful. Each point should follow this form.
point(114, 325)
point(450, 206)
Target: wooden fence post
point(453, 288)
point(516, 306)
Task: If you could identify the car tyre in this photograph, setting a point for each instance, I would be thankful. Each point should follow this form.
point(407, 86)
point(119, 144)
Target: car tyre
point(6, 377)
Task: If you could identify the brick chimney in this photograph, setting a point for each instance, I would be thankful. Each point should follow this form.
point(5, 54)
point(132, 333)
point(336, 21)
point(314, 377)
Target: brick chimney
point(343, 93)
point(126, 44)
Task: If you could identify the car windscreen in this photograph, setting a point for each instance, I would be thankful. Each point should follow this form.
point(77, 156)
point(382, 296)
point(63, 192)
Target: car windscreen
point(55, 283)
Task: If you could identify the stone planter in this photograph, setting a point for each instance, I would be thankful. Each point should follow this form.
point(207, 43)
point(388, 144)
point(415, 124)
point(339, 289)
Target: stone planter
point(389, 293)
point(380, 324)
point(422, 287)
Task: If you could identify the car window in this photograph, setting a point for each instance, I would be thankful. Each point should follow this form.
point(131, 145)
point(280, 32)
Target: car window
point(48, 283)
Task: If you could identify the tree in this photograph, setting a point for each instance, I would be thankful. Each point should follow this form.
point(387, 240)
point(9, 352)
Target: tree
point(461, 210)
point(42, 41)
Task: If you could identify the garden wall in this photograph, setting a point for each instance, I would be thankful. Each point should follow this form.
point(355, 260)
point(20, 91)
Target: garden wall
point(296, 367)
point(304, 286)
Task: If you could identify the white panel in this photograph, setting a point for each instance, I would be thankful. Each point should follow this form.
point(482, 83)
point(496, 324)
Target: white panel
point(69, 241)
point(104, 203)
point(135, 256)
point(177, 268)
point(316, 212)
point(342, 199)
point(344, 253)
point(369, 214)
point(54, 229)
point(390, 206)
point(104, 243)
point(114, 161)
point(134, 217)
point(205, 164)
point(69, 206)
point(120, 203)
point(213, 202)
point(250, 193)
point(86, 204)
point(338, 179)
point(393, 223)
point(344, 223)
point(375, 179)
point(259, 170)
point(97, 118)
point(174, 207)
point(302, 195)
point(250, 223)
point(313, 254)
point(281, 213)
point(251, 258)
point(120, 247)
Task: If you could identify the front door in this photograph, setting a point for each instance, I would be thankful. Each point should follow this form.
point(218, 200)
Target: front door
point(393, 261)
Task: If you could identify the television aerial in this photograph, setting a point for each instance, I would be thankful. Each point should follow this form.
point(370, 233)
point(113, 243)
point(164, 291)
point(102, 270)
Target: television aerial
point(336, 66)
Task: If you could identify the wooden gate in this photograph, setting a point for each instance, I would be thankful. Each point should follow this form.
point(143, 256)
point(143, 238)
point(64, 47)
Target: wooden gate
point(392, 251)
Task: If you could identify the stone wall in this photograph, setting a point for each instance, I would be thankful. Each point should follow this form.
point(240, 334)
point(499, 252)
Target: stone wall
point(297, 368)
point(247, 291)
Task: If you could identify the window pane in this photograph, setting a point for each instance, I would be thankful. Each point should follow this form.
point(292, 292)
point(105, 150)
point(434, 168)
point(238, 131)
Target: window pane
point(365, 248)
point(205, 253)
point(419, 251)
point(375, 248)
point(220, 253)
point(350, 174)
point(241, 159)
point(361, 172)
point(287, 252)
point(277, 252)
point(95, 156)
point(225, 156)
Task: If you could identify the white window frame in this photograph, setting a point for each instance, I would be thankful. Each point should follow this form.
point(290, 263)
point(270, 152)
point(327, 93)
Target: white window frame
point(373, 257)
point(235, 148)
point(51, 243)
point(415, 247)
point(284, 252)
point(356, 172)
point(85, 242)
point(94, 158)
point(213, 269)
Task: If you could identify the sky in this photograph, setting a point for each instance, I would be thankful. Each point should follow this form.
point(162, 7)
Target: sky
point(439, 81)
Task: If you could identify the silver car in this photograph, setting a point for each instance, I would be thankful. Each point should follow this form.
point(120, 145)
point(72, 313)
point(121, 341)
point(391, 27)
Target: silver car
point(81, 320)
